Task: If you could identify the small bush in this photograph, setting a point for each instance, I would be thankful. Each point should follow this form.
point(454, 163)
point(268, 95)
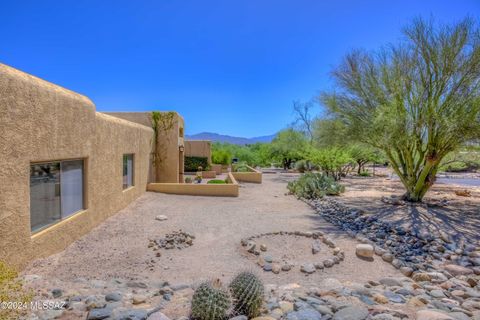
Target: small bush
point(188, 180)
point(241, 167)
point(198, 179)
point(216, 181)
point(302, 166)
point(364, 174)
point(192, 163)
point(315, 185)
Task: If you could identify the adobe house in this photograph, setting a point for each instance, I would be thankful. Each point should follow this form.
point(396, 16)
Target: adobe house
point(65, 168)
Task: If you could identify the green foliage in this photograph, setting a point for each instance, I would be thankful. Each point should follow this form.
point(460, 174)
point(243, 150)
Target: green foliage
point(288, 146)
point(221, 156)
point(464, 160)
point(211, 301)
point(198, 178)
point(247, 292)
point(314, 186)
point(216, 181)
point(417, 101)
point(188, 180)
point(241, 167)
point(254, 154)
point(333, 162)
point(11, 289)
point(192, 163)
point(364, 174)
point(302, 166)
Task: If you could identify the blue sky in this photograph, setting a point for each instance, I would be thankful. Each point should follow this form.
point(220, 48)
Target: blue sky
point(228, 66)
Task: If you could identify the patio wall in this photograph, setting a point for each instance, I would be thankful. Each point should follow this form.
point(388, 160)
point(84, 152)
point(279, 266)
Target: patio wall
point(40, 121)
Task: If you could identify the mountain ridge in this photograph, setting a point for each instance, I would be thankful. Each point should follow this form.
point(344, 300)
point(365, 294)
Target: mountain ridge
point(216, 137)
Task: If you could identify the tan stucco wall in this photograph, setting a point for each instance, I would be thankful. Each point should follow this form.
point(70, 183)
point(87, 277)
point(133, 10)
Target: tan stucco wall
point(39, 122)
point(199, 148)
point(170, 167)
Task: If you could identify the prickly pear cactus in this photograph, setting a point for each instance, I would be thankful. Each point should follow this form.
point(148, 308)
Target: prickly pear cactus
point(247, 293)
point(211, 301)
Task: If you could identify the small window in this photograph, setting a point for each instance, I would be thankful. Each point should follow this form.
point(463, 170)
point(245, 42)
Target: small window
point(56, 192)
point(127, 171)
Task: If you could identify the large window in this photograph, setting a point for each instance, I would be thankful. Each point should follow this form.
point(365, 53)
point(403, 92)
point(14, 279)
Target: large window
point(56, 192)
point(127, 171)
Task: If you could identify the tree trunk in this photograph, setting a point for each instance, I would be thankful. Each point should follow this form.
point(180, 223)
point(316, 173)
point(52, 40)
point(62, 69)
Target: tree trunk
point(417, 188)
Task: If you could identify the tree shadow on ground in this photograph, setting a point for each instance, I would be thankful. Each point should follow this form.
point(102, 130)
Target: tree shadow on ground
point(459, 220)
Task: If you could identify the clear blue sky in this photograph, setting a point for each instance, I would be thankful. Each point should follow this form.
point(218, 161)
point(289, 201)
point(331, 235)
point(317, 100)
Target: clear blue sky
point(228, 66)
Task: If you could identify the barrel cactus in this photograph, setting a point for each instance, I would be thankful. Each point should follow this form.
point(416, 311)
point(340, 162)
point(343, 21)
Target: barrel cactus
point(211, 301)
point(247, 293)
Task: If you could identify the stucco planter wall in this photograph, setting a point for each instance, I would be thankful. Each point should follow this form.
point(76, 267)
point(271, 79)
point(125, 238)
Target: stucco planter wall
point(254, 176)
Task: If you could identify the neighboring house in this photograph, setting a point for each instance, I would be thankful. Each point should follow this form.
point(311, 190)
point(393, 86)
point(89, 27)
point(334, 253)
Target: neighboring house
point(65, 168)
point(199, 148)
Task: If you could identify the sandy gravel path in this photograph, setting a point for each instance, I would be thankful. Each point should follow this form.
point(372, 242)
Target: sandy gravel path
point(118, 247)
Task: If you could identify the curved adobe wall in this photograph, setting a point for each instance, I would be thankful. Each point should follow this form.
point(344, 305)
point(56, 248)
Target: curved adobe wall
point(40, 121)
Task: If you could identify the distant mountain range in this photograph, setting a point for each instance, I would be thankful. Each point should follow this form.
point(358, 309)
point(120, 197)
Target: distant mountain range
point(215, 137)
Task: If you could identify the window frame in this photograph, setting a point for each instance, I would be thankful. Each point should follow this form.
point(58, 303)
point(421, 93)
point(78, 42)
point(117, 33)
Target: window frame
point(84, 192)
point(133, 171)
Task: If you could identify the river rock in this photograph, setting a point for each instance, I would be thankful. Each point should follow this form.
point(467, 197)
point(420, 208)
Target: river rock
point(364, 250)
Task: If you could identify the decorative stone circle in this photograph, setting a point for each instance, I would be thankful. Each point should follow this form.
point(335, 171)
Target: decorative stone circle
point(269, 264)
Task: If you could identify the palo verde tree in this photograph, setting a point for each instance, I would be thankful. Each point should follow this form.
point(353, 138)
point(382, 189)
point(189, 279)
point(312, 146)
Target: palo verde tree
point(417, 101)
point(288, 146)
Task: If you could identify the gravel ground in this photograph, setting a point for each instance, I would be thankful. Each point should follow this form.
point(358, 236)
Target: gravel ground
point(118, 248)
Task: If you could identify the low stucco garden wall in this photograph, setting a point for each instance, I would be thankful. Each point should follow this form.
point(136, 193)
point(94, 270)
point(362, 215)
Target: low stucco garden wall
point(254, 176)
point(219, 190)
point(39, 122)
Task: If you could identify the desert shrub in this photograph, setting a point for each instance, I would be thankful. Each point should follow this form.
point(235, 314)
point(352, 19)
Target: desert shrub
point(192, 163)
point(247, 291)
point(221, 156)
point(216, 181)
point(241, 167)
point(211, 301)
point(302, 166)
point(188, 180)
point(315, 185)
point(11, 289)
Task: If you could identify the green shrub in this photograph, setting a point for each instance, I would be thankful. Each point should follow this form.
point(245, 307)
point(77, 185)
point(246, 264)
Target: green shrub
point(241, 167)
point(216, 181)
point(221, 157)
point(192, 163)
point(315, 185)
point(302, 166)
point(211, 301)
point(188, 180)
point(334, 162)
point(247, 292)
point(364, 174)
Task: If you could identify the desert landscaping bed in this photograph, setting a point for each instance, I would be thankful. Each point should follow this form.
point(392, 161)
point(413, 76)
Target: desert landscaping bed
point(114, 270)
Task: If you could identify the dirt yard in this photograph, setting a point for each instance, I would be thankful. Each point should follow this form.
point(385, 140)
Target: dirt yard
point(119, 247)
